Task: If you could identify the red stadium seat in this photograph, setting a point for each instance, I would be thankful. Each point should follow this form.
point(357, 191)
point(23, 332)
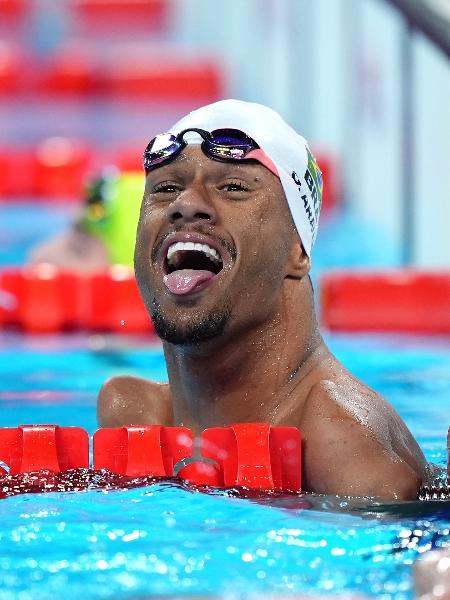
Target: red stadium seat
point(400, 301)
point(16, 172)
point(129, 158)
point(10, 68)
point(168, 79)
point(4, 172)
point(11, 9)
point(60, 166)
point(71, 71)
point(131, 72)
point(118, 16)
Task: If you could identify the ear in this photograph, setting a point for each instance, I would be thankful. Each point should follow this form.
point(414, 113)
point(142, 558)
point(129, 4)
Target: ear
point(298, 264)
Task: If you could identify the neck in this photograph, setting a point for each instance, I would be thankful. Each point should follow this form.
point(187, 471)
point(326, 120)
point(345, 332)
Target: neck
point(248, 376)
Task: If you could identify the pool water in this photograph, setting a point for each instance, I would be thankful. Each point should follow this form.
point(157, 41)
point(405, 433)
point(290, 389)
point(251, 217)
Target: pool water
point(170, 539)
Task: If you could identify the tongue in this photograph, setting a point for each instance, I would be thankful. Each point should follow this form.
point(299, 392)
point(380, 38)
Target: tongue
point(185, 281)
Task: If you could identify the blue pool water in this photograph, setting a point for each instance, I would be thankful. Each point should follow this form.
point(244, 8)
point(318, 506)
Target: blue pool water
point(169, 539)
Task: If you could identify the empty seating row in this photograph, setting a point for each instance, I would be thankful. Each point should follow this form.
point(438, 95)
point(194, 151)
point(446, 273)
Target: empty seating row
point(57, 168)
point(98, 15)
point(127, 71)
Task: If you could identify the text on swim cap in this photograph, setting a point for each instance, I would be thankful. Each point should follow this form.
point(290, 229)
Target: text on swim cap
point(311, 213)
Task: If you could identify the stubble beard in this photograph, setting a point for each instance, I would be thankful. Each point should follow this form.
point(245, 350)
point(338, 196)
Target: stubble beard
point(196, 330)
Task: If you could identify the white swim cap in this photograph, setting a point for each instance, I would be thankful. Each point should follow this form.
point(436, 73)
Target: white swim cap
point(299, 173)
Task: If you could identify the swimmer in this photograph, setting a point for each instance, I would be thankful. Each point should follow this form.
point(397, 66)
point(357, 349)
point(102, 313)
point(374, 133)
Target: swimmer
point(104, 232)
point(222, 260)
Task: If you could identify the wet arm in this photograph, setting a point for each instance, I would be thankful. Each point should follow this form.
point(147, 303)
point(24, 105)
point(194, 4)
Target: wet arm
point(344, 455)
point(344, 461)
point(133, 401)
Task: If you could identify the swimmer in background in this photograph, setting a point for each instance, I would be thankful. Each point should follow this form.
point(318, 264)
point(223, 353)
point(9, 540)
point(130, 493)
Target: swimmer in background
point(104, 234)
point(222, 261)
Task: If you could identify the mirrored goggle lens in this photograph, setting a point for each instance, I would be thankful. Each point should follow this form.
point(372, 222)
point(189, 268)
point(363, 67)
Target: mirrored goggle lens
point(234, 138)
point(230, 144)
point(159, 149)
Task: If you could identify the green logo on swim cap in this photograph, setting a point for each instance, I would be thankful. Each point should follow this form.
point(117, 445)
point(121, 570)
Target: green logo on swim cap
point(316, 174)
point(313, 178)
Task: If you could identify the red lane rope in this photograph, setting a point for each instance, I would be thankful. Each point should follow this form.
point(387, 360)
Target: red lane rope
point(405, 301)
point(251, 455)
point(45, 299)
point(247, 456)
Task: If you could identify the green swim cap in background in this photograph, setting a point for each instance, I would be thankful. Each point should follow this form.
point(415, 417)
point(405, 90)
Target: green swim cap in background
point(111, 213)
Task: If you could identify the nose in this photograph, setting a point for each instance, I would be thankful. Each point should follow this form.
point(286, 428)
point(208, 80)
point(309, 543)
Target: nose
point(192, 205)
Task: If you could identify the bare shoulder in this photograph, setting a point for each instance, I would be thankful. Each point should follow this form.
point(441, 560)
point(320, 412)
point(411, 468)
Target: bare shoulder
point(127, 400)
point(356, 444)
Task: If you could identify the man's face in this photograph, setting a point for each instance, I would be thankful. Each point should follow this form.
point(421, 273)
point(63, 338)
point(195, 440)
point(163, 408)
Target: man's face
point(212, 246)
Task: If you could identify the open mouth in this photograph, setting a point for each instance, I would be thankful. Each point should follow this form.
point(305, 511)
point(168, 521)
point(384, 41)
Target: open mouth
point(197, 257)
point(190, 267)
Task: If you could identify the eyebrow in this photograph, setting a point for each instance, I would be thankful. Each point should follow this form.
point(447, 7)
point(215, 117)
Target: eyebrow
point(223, 168)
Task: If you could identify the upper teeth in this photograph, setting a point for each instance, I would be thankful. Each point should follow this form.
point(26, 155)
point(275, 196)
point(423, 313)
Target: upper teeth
point(210, 252)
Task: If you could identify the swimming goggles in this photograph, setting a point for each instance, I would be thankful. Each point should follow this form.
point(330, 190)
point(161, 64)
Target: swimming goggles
point(222, 144)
